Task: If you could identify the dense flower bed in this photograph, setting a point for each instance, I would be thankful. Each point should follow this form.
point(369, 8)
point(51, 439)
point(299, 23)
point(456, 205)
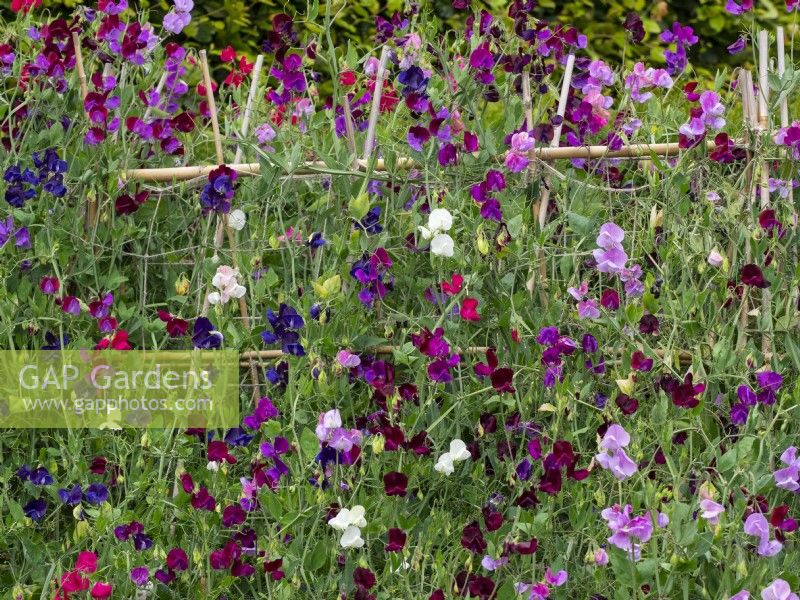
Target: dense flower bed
point(603, 407)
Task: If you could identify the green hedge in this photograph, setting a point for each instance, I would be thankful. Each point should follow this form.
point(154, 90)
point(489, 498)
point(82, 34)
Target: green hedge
point(242, 23)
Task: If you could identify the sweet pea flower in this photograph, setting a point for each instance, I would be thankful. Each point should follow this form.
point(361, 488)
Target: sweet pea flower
point(614, 458)
point(353, 517)
point(225, 280)
point(439, 221)
point(715, 259)
point(788, 478)
point(347, 359)
point(600, 557)
point(626, 528)
point(458, 452)
point(711, 510)
point(610, 255)
point(778, 590)
point(742, 595)
point(237, 219)
point(758, 526)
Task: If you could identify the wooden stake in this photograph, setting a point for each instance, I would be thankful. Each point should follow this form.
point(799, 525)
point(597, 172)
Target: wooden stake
point(249, 107)
point(376, 104)
point(749, 112)
point(349, 128)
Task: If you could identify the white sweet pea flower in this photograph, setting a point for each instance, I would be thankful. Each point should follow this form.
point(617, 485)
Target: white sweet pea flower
point(349, 518)
point(439, 221)
point(442, 245)
point(458, 450)
point(237, 219)
point(351, 538)
point(444, 464)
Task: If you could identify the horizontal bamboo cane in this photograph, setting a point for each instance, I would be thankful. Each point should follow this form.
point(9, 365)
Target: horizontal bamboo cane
point(545, 154)
point(684, 356)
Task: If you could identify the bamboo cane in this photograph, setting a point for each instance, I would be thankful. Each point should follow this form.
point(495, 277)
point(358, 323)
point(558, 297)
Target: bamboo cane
point(223, 220)
point(91, 206)
point(763, 120)
point(544, 199)
point(170, 174)
point(376, 104)
point(751, 119)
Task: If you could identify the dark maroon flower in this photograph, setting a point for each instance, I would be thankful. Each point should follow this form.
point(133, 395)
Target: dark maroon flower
point(685, 394)
point(501, 380)
point(472, 538)
point(751, 275)
point(395, 483)
point(127, 204)
point(396, 541)
point(273, 567)
point(394, 436)
point(524, 548)
point(550, 483)
point(780, 520)
point(437, 595)
point(770, 223)
point(481, 587)
point(218, 451)
point(527, 499)
point(202, 500)
point(634, 26)
point(626, 404)
point(492, 518)
point(240, 568)
point(420, 444)
point(363, 578)
point(488, 423)
point(649, 324)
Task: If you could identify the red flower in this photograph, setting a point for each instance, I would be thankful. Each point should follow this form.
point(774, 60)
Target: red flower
point(176, 327)
point(469, 309)
point(24, 5)
point(86, 562)
point(347, 78)
point(228, 55)
point(101, 590)
point(395, 483)
point(452, 287)
point(397, 540)
point(273, 567)
point(609, 299)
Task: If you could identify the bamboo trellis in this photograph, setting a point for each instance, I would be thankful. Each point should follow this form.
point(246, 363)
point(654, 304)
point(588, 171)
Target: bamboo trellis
point(756, 118)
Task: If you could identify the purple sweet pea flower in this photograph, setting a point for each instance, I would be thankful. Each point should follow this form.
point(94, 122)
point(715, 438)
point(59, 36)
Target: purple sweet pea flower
point(758, 526)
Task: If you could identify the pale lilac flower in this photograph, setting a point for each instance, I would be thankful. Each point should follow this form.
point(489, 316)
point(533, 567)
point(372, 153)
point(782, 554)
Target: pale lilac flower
point(579, 292)
point(662, 520)
point(264, 133)
point(641, 79)
point(783, 187)
point(613, 456)
point(715, 259)
point(492, 564)
point(758, 526)
point(610, 255)
point(742, 595)
point(788, 478)
point(347, 359)
point(711, 510)
point(778, 590)
point(329, 429)
point(600, 557)
point(625, 529)
point(587, 309)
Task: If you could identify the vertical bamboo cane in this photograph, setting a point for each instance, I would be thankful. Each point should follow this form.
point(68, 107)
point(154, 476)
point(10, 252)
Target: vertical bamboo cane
point(91, 206)
point(544, 200)
point(223, 223)
point(349, 128)
point(376, 105)
point(749, 111)
point(763, 121)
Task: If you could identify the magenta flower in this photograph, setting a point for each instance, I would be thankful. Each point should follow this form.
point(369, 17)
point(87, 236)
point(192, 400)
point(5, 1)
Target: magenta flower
point(517, 158)
point(758, 526)
point(788, 478)
point(735, 8)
